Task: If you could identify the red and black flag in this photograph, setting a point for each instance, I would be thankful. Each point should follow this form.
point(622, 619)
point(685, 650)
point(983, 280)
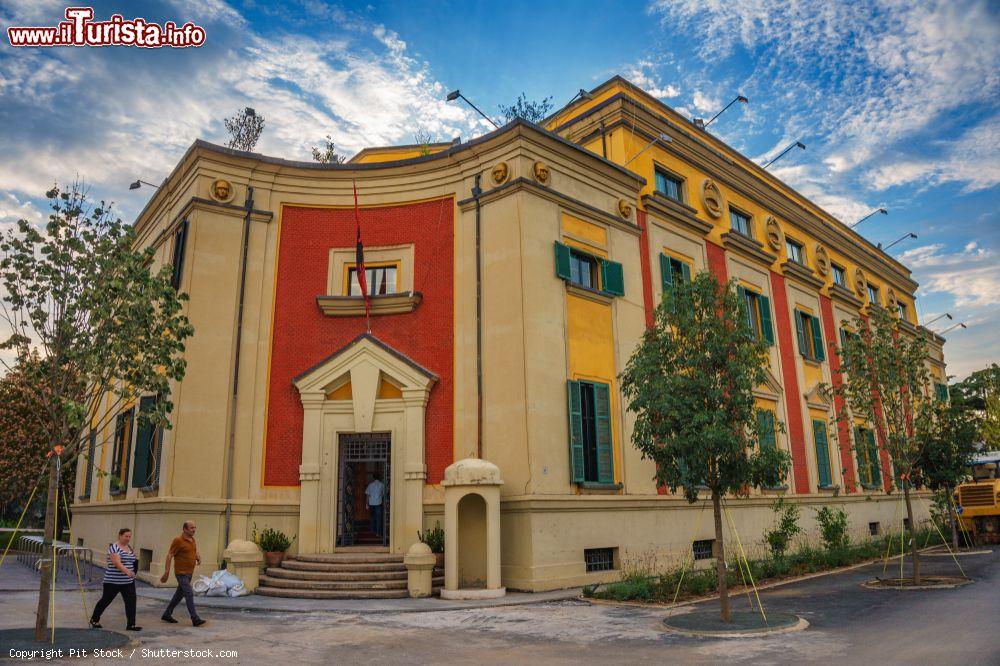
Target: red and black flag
point(359, 259)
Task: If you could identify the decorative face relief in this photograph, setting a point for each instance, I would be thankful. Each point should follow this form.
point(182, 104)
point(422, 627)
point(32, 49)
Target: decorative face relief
point(222, 190)
point(500, 173)
point(624, 208)
point(541, 172)
point(891, 300)
point(822, 260)
point(860, 284)
point(711, 197)
point(775, 236)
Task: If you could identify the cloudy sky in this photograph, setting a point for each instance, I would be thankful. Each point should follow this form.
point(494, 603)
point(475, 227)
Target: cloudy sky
point(898, 102)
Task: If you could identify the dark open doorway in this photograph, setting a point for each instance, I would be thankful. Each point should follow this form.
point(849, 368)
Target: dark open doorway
point(363, 457)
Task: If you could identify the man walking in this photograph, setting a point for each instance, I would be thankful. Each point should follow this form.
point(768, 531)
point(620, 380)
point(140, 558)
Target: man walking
point(184, 552)
point(373, 499)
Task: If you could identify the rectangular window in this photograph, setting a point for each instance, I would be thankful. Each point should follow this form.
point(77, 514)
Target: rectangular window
point(874, 528)
point(766, 424)
point(591, 456)
point(809, 336)
point(703, 549)
point(901, 309)
point(147, 448)
point(740, 222)
point(180, 244)
point(673, 270)
point(668, 185)
point(91, 450)
point(822, 453)
point(839, 276)
point(873, 297)
point(588, 271)
point(795, 251)
point(757, 310)
point(122, 450)
point(941, 391)
point(599, 559)
point(869, 469)
point(380, 280)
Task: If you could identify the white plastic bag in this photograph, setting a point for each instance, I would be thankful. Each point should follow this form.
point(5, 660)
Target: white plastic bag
point(201, 585)
point(229, 579)
point(216, 591)
point(239, 590)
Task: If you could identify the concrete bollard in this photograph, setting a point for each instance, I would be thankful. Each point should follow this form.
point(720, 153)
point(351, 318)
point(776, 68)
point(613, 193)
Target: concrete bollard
point(243, 558)
point(419, 561)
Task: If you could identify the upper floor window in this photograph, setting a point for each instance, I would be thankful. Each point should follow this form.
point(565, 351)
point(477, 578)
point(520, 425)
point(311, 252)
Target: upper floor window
point(669, 185)
point(795, 251)
point(757, 309)
point(873, 296)
point(673, 270)
point(839, 275)
point(901, 309)
point(740, 222)
point(180, 243)
point(809, 335)
point(585, 270)
point(380, 280)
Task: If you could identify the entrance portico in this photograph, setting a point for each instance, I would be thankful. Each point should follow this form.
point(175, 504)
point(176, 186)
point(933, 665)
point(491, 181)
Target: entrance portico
point(364, 387)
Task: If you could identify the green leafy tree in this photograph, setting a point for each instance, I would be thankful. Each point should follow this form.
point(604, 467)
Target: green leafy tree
point(82, 294)
point(885, 381)
point(329, 154)
point(245, 128)
point(690, 384)
point(530, 110)
point(949, 444)
point(980, 392)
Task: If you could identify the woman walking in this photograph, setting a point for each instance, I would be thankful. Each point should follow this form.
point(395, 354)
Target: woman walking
point(119, 577)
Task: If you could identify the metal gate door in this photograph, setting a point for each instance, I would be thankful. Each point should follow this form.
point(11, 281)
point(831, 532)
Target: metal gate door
point(361, 448)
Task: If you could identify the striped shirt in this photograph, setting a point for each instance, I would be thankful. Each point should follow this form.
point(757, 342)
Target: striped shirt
point(113, 574)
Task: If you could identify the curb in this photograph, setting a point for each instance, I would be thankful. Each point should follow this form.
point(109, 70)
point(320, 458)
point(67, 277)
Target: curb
point(878, 585)
point(801, 625)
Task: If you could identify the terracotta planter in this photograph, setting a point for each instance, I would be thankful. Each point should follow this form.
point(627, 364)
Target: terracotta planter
point(274, 558)
point(439, 560)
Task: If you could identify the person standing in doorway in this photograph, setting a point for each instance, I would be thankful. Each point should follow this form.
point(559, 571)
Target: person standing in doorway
point(184, 552)
point(119, 578)
point(373, 500)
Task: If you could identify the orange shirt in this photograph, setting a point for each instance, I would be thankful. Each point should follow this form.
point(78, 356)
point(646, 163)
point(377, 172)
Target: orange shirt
point(183, 550)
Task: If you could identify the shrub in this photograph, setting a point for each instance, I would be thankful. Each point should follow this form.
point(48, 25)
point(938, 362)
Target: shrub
point(787, 527)
point(271, 540)
point(434, 538)
point(833, 528)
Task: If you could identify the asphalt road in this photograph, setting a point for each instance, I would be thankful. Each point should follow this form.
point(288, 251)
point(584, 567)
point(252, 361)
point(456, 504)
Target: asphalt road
point(848, 624)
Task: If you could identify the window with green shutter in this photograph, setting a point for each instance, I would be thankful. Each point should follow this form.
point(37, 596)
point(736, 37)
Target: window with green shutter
point(591, 441)
point(942, 391)
point(144, 474)
point(120, 456)
point(809, 335)
point(612, 278)
point(766, 424)
point(588, 271)
point(91, 450)
point(822, 453)
point(673, 270)
point(869, 468)
point(562, 261)
point(757, 310)
point(873, 458)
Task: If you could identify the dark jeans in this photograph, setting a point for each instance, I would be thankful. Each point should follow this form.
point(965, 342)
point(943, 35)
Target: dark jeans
point(376, 519)
point(110, 592)
point(183, 590)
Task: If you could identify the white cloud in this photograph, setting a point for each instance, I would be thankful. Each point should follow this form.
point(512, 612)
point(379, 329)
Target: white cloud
point(705, 103)
point(643, 75)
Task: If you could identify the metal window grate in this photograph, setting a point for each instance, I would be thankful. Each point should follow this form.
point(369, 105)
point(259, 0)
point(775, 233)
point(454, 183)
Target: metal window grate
point(703, 549)
point(874, 528)
point(599, 559)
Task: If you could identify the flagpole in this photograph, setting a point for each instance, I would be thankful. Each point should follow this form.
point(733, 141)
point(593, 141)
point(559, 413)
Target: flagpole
point(359, 260)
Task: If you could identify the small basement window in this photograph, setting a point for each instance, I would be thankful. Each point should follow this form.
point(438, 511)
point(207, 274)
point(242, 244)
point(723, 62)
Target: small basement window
point(145, 558)
point(906, 524)
point(874, 528)
point(599, 559)
point(703, 549)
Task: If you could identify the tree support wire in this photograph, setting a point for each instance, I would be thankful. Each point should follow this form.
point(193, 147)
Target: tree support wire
point(760, 606)
point(740, 563)
point(76, 562)
point(888, 543)
point(950, 552)
point(685, 561)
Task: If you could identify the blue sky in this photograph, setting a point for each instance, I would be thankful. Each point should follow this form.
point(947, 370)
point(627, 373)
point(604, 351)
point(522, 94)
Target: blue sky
point(896, 101)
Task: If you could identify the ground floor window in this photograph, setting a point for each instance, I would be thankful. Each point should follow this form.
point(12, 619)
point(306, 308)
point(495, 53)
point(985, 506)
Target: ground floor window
point(822, 453)
point(868, 462)
point(122, 450)
point(592, 458)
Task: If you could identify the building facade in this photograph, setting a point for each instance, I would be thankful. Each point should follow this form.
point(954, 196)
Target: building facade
point(511, 278)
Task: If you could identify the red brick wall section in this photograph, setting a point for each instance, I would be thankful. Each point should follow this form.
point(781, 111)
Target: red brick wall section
point(717, 261)
point(647, 278)
point(843, 428)
point(302, 336)
point(786, 350)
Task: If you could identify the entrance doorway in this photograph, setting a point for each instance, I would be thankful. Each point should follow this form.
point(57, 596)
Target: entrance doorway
point(363, 458)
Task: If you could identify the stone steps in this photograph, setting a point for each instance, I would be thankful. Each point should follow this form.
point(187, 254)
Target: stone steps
point(342, 585)
point(355, 557)
point(357, 574)
point(365, 574)
point(333, 594)
point(297, 565)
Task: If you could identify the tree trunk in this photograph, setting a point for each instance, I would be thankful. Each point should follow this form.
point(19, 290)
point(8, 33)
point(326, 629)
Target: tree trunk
point(951, 516)
point(47, 565)
point(913, 539)
point(719, 551)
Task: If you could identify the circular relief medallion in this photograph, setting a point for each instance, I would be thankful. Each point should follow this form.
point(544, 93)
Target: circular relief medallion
point(822, 260)
point(222, 190)
point(860, 283)
point(711, 197)
point(775, 236)
point(624, 208)
point(541, 171)
point(500, 173)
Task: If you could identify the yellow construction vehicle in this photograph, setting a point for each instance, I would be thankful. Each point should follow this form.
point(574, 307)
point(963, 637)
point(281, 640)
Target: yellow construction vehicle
point(978, 499)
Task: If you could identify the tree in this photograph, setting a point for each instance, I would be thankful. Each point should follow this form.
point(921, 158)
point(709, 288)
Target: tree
point(949, 444)
point(885, 380)
point(244, 129)
point(424, 139)
point(329, 154)
point(531, 111)
point(105, 326)
point(690, 384)
point(980, 392)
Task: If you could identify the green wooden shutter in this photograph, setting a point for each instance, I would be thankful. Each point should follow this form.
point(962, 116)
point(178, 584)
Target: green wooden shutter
point(817, 334)
point(685, 272)
point(562, 261)
point(741, 292)
point(765, 319)
point(91, 449)
point(144, 442)
point(605, 453)
point(873, 459)
point(575, 431)
point(800, 334)
point(765, 419)
point(822, 453)
point(612, 278)
point(860, 447)
point(666, 278)
point(942, 391)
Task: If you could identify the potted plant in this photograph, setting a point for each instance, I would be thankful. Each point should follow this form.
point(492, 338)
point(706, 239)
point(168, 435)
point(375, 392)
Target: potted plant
point(274, 543)
point(434, 538)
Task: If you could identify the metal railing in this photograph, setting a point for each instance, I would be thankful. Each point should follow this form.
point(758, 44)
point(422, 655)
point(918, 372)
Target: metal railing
point(31, 552)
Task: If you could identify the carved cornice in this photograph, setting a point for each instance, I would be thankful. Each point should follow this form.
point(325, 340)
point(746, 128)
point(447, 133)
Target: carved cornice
point(677, 212)
point(748, 247)
point(845, 296)
point(801, 273)
point(354, 306)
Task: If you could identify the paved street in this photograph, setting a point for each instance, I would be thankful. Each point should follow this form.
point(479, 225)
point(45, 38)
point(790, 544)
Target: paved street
point(847, 623)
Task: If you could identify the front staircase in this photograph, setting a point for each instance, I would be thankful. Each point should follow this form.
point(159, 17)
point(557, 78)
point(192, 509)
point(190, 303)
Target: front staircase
point(365, 573)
